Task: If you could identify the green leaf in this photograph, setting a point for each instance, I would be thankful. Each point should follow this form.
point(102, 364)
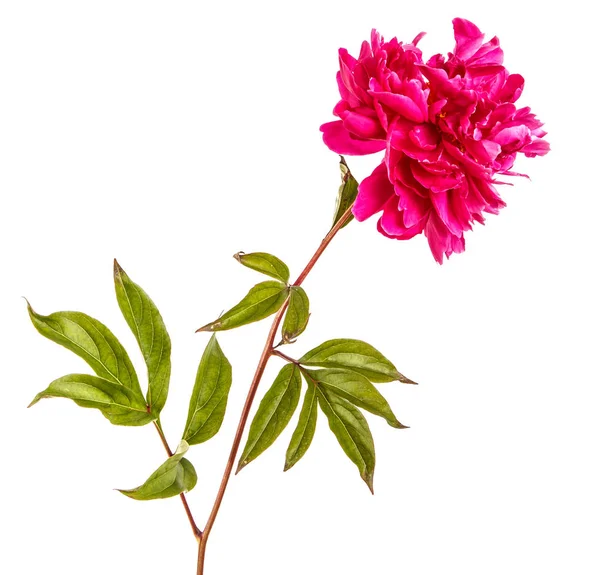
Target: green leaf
point(273, 414)
point(149, 330)
point(209, 397)
point(355, 355)
point(347, 193)
point(305, 430)
point(357, 389)
point(352, 432)
point(93, 342)
point(260, 302)
point(296, 316)
point(176, 475)
point(265, 264)
point(117, 403)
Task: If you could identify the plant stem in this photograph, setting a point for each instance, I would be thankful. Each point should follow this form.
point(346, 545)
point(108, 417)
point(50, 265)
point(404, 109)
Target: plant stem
point(267, 352)
point(188, 512)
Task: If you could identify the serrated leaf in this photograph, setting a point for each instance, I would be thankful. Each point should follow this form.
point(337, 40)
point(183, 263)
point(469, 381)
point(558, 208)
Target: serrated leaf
point(93, 342)
point(352, 432)
point(117, 403)
point(146, 323)
point(346, 194)
point(355, 355)
point(260, 302)
point(273, 414)
point(357, 389)
point(296, 316)
point(265, 264)
point(176, 475)
point(305, 430)
point(209, 397)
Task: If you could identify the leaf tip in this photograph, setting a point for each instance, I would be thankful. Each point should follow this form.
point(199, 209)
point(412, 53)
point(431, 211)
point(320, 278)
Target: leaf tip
point(117, 269)
point(368, 479)
point(241, 466)
point(207, 327)
point(238, 256)
point(35, 400)
point(403, 379)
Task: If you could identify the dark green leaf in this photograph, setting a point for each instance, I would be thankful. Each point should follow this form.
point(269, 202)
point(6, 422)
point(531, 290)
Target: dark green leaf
point(209, 397)
point(296, 316)
point(273, 414)
point(355, 355)
point(93, 342)
point(176, 475)
point(347, 193)
point(265, 264)
point(117, 403)
point(357, 389)
point(260, 302)
point(147, 325)
point(352, 432)
point(305, 430)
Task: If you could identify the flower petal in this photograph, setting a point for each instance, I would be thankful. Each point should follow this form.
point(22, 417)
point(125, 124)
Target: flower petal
point(339, 140)
point(373, 193)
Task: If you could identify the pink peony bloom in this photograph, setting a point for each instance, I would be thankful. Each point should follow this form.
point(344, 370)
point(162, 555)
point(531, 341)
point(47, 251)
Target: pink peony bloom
point(448, 128)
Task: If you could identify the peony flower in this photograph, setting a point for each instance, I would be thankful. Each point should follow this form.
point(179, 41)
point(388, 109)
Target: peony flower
point(449, 127)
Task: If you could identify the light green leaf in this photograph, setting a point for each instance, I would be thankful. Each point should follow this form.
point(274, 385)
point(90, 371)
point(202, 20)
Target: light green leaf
point(93, 342)
point(347, 193)
point(176, 475)
point(147, 325)
point(296, 316)
point(357, 389)
point(265, 264)
point(260, 302)
point(305, 430)
point(209, 397)
point(352, 432)
point(355, 355)
point(273, 414)
point(117, 403)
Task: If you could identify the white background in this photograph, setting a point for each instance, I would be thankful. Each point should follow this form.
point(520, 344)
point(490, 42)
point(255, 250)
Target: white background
point(173, 134)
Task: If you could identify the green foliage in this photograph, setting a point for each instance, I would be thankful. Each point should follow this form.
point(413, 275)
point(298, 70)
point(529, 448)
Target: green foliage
point(273, 414)
point(305, 430)
point(347, 193)
point(260, 302)
point(209, 397)
point(176, 475)
point(117, 403)
point(148, 327)
point(265, 264)
point(355, 355)
point(296, 316)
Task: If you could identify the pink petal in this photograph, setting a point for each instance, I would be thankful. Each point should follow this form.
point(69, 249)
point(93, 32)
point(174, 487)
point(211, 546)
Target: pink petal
point(339, 140)
point(401, 104)
point(363, 126)
point(468, 38)
point(536, 148)
point(393, 225)
point(373, 192)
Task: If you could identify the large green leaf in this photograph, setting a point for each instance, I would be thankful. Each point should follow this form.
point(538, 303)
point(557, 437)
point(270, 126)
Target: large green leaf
point(352, 432)
point(265, 264)
point(209, 397)
point(147, 325)
point(260, 302)
point(305, 430)
point(346, 194)
point(355, 355)
point(93, 342)
point(176, 475)
point(296, 316)
point(357, 389)
point(273, 414)
point(117, 403)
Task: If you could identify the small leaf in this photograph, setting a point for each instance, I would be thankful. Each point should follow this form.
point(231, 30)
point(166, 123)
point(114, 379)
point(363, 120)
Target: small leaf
point(149, 330)
point(265, 264)
point(305, 430)
point(355, 355)
point(209, 397)
point(93, 342)
point(357, 389)
point(273, 414)
point(176, 475)
point(117, 403)
point(347, 193)
point(352, 432)
point(260, 302)
point(296, 316)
